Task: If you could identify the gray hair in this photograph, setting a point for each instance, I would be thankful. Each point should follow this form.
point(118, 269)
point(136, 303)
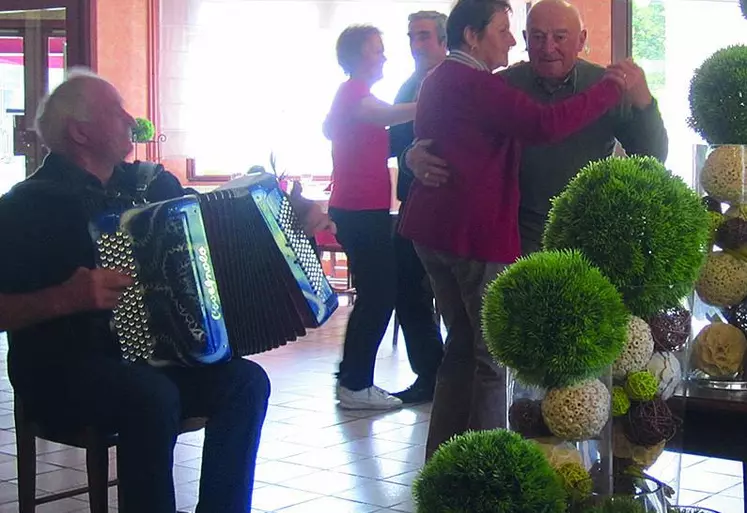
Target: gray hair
point(436, 16)
point(67, 102)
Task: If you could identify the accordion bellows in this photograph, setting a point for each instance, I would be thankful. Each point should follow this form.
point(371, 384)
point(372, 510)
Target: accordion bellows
point(222, 274)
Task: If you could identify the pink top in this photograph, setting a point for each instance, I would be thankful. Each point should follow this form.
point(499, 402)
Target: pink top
point(360, 176)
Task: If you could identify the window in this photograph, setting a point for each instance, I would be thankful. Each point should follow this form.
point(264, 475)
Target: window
point(258, 77)
point(671, 38)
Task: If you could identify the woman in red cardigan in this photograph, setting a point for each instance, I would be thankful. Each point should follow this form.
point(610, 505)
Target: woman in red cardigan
point(467, 232)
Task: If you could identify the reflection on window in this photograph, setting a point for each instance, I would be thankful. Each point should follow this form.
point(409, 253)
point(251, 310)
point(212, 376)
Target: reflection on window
point(260, 76)
point(670, 39)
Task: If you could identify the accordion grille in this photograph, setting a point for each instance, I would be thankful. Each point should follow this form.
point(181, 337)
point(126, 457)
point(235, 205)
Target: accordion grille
point(130, 319)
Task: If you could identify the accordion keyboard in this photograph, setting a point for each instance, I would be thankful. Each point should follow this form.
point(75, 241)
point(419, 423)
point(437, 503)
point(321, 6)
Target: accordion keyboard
point(130, 319)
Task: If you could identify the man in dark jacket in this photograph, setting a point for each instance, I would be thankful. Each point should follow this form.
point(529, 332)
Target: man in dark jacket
point(64, 359)
point(414, 306)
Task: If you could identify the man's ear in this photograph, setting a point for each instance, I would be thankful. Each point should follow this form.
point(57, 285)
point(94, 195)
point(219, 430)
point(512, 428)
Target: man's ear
point(76, 133)
point(582, 40)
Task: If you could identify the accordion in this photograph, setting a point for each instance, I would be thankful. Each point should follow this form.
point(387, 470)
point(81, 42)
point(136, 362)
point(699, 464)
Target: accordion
point(223, 274)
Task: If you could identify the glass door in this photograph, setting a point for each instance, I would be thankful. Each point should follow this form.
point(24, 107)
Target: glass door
point(33, 57)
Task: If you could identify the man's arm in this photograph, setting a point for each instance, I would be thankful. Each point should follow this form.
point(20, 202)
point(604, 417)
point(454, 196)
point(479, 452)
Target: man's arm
point(641, 131)
point(85, 290)
point(638, 123)
point(400, 136)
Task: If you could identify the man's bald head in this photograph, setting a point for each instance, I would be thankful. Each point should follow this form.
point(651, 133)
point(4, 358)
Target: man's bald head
point(555, 35)
point(83, 118)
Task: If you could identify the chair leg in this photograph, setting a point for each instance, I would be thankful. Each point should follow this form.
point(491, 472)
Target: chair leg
point(26, 463)
point(121, 507)
point(97, 467)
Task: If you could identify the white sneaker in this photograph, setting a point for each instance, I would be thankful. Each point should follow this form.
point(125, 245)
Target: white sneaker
point(371, 398)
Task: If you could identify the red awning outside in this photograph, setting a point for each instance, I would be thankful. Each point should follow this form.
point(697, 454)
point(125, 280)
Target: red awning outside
point(11, 51)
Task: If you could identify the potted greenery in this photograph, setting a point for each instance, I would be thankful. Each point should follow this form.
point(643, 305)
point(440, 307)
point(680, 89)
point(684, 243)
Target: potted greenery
point(488, 472)
point(143, 131)
point(719, 114)
point(643, 227)
point(624, 244)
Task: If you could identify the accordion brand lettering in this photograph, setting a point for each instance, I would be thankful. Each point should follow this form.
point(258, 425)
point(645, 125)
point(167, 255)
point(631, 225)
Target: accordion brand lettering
point(210, 284)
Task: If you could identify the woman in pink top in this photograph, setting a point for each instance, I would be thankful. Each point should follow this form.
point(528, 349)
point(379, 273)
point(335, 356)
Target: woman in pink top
point(359, 206)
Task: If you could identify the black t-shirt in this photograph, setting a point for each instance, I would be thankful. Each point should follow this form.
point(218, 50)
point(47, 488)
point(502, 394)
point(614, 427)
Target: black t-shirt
point(44, 236)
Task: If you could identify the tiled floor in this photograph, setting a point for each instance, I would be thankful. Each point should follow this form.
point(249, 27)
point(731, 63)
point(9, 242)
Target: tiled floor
point(315, 458)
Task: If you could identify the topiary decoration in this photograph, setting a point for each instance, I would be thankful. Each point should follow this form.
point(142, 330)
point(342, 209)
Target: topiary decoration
point(649, 423)
point(667, 370)
point(712, 204)
point(723, 173)
point(488, 472)
point(644, 228)
point(637, 351)
point(578, 412)
point(554, 319)
point(641, 386)
point(717, 92)
point(670, 328)
point(525, 417)
point(731, 234)
point(558, 452)
point(737, 315)
point(620, 402)
point(723, 280)
point(576, 481)
point(143, 130)
point(719, 350)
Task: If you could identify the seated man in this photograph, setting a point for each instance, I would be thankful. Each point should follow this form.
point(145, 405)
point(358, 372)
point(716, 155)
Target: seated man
point(64, 361)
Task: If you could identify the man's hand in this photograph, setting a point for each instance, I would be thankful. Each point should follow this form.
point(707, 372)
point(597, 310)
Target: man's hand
point(639, 95)
point(632, 81)
point(97, 289)
point(426, 167)
point(311, 214)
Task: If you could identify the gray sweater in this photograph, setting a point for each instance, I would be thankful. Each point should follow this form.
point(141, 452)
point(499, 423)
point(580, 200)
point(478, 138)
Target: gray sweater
point(546, 169)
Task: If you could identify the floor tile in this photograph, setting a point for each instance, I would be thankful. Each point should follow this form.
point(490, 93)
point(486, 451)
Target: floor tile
point(273, 498)
point(317, 458)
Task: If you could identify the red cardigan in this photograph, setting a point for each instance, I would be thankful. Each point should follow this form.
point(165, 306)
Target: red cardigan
point(478, 122)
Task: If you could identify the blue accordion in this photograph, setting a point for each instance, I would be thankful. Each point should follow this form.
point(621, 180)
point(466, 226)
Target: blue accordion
point(222, 274)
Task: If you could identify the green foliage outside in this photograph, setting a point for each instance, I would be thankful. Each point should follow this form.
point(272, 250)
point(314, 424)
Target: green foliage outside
point(649, 36)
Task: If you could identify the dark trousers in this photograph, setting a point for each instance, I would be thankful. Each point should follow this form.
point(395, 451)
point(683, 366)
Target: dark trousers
point(366, 238)
point(414, 307)
point(145, 405)
point(471, 387)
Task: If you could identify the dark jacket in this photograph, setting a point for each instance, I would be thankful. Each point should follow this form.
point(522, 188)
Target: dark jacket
point(45, 237)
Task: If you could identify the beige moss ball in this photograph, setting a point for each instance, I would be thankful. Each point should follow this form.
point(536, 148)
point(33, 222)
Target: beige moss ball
point(723, 280)
point(578, 412)
point(559, 452)
point(719, 350)
point(637, 350)
point(625, 449)
point(722, 174)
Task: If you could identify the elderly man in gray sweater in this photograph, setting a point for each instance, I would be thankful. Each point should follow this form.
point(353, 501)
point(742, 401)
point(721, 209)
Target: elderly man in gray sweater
point(555, 37)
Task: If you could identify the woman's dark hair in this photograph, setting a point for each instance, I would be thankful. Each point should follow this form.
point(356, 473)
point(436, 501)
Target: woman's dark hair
point(474, 14)
point(350, 45)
